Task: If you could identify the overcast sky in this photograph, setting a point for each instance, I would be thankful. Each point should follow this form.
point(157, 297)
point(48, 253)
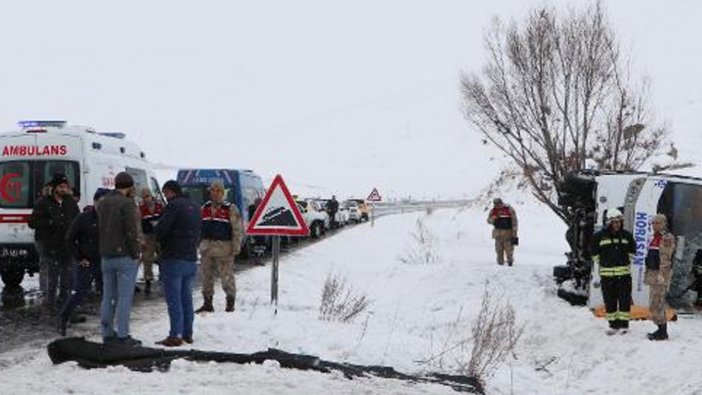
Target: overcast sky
point(336, 96)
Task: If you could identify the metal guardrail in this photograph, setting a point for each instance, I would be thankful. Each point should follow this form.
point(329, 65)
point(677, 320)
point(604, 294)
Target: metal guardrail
point(383, 208)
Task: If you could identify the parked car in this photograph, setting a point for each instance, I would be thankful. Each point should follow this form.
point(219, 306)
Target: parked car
point(364, 208)
point(316, 218)
point(353, 210)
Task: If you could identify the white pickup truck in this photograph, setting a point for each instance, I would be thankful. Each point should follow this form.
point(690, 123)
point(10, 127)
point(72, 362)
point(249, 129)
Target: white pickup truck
point(316, 218)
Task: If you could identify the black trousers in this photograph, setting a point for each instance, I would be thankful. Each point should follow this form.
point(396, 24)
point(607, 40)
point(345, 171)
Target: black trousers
point(61, 278)
point(616, 292)
point(84, 277)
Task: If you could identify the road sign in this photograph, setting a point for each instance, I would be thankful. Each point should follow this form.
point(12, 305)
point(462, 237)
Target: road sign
point(374, 196)
point(278, 214)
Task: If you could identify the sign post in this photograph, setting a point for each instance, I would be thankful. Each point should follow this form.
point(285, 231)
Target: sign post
point(275, 271)
point(374, 197)
point(276, 216)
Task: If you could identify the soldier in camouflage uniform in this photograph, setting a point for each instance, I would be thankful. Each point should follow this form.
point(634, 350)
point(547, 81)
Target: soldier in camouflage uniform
point(659, 261)
point(222, 233)
point(151, 211)
point(503, 218)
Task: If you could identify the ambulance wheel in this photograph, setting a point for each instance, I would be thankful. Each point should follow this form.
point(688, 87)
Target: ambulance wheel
point(12, 278)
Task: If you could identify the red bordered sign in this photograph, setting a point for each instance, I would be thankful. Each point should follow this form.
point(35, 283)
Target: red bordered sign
point(278, 213)
point(374, 196)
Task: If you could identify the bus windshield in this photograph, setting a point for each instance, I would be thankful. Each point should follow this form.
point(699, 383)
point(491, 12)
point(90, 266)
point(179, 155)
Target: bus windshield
point(201, 194)
point(22, 181)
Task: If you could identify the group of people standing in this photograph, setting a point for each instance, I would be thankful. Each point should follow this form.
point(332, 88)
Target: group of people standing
point(109, 239)
point(613, 249)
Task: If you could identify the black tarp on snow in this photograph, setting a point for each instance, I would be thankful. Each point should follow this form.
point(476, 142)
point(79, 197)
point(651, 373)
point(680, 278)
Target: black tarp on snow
point(97, 355)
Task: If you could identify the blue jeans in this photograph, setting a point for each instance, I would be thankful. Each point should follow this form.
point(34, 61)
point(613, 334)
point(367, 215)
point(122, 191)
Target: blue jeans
point(84, 279)
point(177, 277)
point(119, 279)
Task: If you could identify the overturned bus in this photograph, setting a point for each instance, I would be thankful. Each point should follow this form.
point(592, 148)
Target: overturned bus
point(587, 195)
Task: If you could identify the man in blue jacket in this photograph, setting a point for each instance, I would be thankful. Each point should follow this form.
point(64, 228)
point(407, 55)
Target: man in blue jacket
point(178, 232)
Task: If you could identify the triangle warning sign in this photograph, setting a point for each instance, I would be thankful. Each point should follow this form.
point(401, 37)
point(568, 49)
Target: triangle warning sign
point(374, 196)
point(278, 213)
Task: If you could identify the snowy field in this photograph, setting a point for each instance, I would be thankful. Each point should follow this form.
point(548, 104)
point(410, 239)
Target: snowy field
point(417, 312)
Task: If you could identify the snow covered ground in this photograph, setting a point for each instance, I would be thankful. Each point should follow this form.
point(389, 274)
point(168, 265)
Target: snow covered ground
point(417, 312)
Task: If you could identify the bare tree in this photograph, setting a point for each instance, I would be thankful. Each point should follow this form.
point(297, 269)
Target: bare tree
point(557, 95)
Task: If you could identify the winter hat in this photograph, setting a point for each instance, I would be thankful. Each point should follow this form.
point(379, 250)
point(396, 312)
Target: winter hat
point(173, 186)
point(59, 178)
point(100, 193)
point(497, 201)
point(123, 180)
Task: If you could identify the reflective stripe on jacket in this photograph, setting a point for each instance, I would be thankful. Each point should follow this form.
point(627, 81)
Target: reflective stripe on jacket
point(613, 251)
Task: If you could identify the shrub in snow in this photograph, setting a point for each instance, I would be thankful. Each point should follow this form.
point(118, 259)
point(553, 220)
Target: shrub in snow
point(495, 336)
point(339, 302)
point(421, 250)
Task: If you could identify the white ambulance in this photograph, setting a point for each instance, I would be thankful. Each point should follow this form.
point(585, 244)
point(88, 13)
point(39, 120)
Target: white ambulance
point(28, 160)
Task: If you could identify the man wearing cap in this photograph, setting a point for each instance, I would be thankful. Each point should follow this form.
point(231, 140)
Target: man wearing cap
point(178, 233)
point(222, 232)
point(119, 249)
point(151, 211)
point(50, 219)
point(83, 241)
point(613, 248)
point(503, 218)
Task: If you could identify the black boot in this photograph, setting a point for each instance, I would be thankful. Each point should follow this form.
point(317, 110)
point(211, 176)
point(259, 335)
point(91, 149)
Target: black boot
point(660, 334)
point(230, 304)
point(206, 305)
point(147, 288)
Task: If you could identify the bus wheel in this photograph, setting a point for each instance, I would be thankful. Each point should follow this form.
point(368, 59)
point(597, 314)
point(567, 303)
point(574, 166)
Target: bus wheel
point(12, 278)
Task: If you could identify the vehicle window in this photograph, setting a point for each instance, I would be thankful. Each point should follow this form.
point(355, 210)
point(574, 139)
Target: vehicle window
point(250, 195)
point(682, 204)
point(141, 181)
point(156, 190)
point(21, 182)
point(199, 194)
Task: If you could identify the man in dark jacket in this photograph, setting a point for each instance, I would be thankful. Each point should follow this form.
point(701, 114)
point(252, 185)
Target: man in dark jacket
point(50, 219)
point(83, 240)
point(178, 233)
point(333, 208)
point(119, 227)
point(612, 250)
